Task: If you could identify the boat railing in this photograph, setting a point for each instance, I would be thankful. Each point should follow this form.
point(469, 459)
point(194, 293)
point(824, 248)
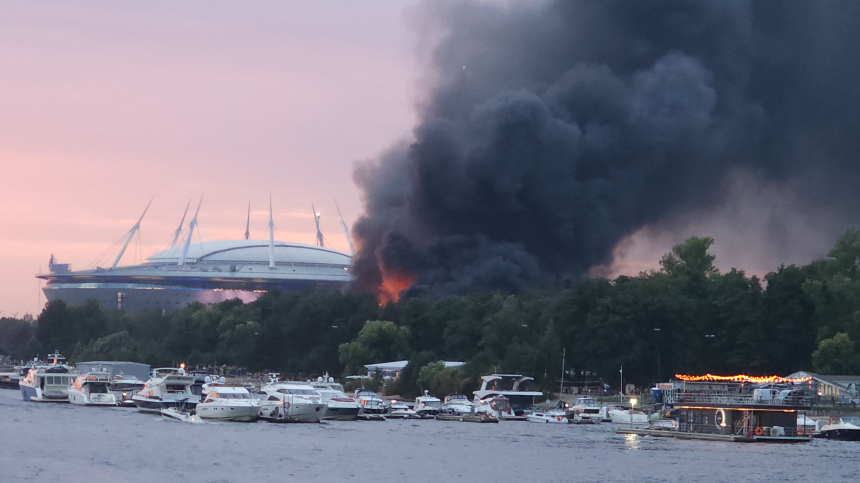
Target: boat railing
point(735, 399)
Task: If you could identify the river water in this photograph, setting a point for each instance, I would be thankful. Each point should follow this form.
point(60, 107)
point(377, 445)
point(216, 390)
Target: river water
point(60, 442)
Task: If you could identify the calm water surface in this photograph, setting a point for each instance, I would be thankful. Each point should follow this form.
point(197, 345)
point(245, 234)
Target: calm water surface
point(65, 443)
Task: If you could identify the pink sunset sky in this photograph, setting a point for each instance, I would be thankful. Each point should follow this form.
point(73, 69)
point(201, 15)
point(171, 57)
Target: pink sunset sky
point(107, 104)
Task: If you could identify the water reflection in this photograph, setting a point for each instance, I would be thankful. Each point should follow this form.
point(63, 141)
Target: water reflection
point(631, 441)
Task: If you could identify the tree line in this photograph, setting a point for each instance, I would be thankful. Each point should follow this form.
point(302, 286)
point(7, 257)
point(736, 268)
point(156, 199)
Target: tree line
point(686, 317)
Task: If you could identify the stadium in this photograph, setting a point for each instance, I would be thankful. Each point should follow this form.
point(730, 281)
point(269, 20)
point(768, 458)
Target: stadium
point(206, 272)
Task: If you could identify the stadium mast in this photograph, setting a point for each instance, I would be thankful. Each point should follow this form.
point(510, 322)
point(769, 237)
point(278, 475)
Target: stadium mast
point(179, 228)
point(345, 229)
point(131, 233)
point(271, 236)
point(190, 233)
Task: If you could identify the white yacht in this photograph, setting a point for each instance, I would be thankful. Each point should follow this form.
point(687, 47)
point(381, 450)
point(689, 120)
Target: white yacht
point(166, 388)
point(92, 389)
point(326, 382)
point(228, 403)
point(48, 382)
point(457, 404)
point(586, 410)
point(427, 406)
point(627, 416)
point(400, 410)
point(339, 406)
point(124, 387)
point(510, 386)
point(291, 402)
point(556, 416)
point(181, 414)
point(370, 402)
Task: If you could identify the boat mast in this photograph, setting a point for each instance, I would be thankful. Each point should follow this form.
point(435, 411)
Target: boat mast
point(320, 241)
point(248, 223)
point(131, 234)
point(271, 236)
point(190, 233)
point(345, 230)
point(561, 389)
point(179, 228)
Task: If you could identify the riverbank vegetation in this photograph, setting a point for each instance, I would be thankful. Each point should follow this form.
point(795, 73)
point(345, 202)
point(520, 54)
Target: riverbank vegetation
point(686, 317)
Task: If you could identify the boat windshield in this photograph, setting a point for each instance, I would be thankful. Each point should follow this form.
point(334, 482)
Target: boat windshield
point(298, 392)
point(500, 404)
point(586, 401)
point(98, 388)
point(433, 404)
point(851, 420)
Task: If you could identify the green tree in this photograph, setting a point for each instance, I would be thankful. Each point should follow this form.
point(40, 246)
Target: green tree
point(378, 341)
point(835, 356)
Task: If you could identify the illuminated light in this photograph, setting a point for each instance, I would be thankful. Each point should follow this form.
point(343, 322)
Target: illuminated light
point(632, 401)
point(742, 378)
point(182, 365)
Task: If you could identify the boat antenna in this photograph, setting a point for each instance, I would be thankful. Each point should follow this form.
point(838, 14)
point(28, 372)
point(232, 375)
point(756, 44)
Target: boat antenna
point(271, 236)
point(320, 240)
point(131, 234)
point(190, 233)
point(345, 229)
point(179, 228)
point(248, 223)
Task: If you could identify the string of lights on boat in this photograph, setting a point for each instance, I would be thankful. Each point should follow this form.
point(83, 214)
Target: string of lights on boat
point(743, 378)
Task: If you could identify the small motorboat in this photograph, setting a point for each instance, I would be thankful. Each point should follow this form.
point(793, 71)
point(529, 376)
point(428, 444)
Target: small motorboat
point(457, 404)
point(841, 429)
point(427, 406)
point(400, 410)
point(628, 416)
point(370, 402)
point(181, 414)
point(339, 406)
point(586, 410)
point(554, 416)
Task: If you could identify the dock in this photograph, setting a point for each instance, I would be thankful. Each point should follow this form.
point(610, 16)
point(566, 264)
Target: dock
point(734, 438)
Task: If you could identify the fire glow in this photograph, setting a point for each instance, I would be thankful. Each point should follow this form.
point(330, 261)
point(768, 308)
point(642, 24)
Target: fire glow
point(391, 287)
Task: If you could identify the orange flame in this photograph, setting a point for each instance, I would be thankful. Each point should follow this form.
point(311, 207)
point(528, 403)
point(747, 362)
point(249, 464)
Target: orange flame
point(391, 287)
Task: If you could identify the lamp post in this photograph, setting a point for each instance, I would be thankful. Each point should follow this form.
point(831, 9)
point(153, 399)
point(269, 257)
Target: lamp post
point(632, 405)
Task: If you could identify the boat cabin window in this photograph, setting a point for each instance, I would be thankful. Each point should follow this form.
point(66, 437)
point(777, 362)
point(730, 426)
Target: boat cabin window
point(274, 398)
point(176, 388)
point(98, 389)
point(433, 404)
point(230, 395)
point(57, 380)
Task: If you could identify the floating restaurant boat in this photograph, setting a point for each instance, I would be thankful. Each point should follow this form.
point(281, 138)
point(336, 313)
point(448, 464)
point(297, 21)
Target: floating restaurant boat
point(733, 408)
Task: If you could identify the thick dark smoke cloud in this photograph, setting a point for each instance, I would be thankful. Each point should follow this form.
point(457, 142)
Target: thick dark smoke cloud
point(552, 132)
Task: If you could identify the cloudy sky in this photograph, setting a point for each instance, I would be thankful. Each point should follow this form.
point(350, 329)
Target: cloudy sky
point(107, 104)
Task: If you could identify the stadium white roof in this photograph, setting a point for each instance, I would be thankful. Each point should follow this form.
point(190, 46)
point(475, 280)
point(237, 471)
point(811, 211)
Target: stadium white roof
point(252, 251)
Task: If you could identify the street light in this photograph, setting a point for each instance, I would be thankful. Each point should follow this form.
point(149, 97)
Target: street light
point(632, 405)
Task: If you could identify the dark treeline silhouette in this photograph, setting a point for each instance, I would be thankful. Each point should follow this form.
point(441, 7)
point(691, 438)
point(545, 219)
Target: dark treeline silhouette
point(686, 317)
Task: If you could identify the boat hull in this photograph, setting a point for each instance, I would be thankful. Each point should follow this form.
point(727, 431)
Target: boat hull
point(547, 418)
point(296, 413)
point(147, 405)
point(30, 393)
point(81, 399)
point(341, 414)
point(244, 414)
point(841, 434)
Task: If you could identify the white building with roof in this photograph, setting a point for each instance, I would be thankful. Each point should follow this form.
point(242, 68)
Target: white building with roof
point(206, 272)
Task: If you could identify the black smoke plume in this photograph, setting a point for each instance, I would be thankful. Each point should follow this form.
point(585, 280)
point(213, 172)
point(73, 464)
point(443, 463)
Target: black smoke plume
point(550, 132)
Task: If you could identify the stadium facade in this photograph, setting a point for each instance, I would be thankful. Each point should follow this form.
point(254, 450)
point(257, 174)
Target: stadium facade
point(206, 272)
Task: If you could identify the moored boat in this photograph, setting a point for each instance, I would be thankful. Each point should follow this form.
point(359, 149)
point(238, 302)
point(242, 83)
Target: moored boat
point(48, 382)
point(586, 410)
point(339, 406)
point(841, 429)
point(457, 404)
point(513, 387)
point(167, 387)
point(555, 417)
point(427, 406)
point(92, 389)
point(291, 403)
point(225, 402)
